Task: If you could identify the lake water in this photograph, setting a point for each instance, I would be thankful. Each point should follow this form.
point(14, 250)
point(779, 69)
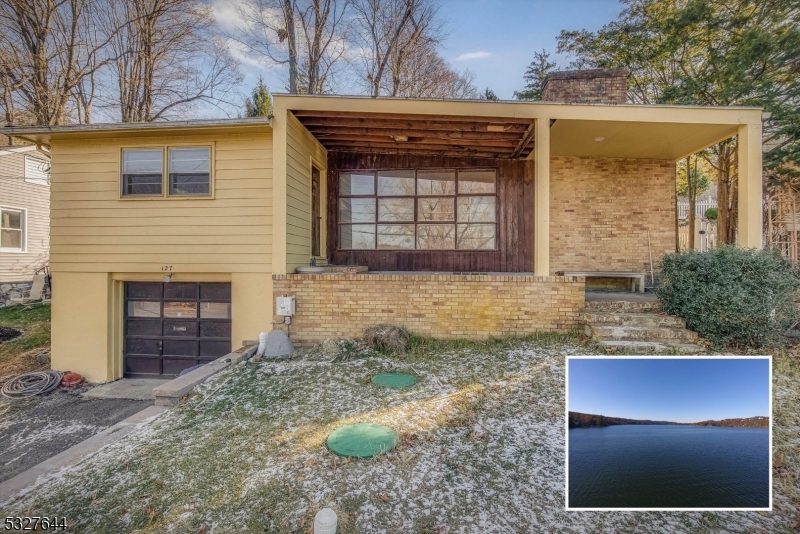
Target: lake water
point(668, 466)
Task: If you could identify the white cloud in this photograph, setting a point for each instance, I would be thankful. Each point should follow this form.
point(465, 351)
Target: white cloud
point(468, 56)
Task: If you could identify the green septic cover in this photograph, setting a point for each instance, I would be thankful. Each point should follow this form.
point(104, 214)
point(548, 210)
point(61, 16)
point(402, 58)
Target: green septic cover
point(394, 380)
point(362, 440)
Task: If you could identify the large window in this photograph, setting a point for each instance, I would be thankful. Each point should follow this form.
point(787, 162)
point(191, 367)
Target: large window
point(12, 230)
point(442, 209)
point(188, 169)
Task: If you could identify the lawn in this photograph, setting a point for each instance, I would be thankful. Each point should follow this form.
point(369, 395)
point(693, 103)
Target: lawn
point(18, 355)
point(481, 450)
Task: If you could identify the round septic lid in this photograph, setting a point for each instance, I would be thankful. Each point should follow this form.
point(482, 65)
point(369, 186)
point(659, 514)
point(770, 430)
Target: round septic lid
point(394, 380)
point(362, 440)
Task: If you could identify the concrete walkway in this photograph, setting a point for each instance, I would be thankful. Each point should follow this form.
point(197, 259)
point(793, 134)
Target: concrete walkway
point(619, 296)
point(127, 388)
point(15, 485)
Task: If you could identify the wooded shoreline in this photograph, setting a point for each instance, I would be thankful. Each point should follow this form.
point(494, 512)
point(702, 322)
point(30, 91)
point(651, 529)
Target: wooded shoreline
point(584, 420)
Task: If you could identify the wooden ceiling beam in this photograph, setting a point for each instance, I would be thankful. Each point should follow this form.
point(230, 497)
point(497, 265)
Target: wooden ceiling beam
point(403, 124)
point(488, 155)
point(524, 141)
point(509, 144)
point(321, 132)
point(405, 147)
point(409, 116)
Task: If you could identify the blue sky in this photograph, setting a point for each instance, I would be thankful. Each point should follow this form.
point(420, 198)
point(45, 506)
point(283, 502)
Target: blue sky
point(683, 390)
point(495, 39)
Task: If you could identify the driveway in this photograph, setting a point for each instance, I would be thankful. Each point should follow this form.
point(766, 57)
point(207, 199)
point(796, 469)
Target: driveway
point(31, 431)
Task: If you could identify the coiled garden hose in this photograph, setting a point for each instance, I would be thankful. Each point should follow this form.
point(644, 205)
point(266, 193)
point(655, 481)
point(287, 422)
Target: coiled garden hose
point(31, 384)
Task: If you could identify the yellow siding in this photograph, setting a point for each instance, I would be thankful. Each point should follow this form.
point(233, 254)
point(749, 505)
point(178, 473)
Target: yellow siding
point(94, 230)
point(15, 192)
point(302, 150)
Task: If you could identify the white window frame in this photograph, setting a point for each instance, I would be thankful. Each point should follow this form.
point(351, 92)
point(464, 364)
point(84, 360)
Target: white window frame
point(23, 227)
point(37, 180)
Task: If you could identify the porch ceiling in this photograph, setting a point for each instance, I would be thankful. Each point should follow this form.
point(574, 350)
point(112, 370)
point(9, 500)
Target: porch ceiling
point(445, 135)
point(619, 139)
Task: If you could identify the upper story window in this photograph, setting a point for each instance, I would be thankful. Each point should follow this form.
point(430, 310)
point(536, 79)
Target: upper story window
point(188, 171)
point(142, 171)
point(37, 170)
point(12, 230)
point(443, 209)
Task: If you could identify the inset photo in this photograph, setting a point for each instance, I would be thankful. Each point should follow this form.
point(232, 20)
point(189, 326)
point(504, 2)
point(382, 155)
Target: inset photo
point(669, 433)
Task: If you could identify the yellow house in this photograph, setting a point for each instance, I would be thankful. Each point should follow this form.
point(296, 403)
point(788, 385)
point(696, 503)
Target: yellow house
point(170, 241)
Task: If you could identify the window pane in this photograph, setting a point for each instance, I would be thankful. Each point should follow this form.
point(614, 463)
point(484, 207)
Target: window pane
point(477, 209)
point(395, 236)
point(191, 160)
point(142, 161)
point(356, 210)
point(436, 209)
point(141, 184)
point(180, 309)
point(215, 310)
point(396, 183)
point(351, 183)
point(357, 236)
point(436, 182)
point(471, 182)
point(476, 237)
point(396, 209)
point(436, 236)
point(190, 184)
point(11, 239)
point(11, 220)
point(144, 309)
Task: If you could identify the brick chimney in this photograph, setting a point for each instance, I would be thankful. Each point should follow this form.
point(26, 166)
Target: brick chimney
point(595, 86)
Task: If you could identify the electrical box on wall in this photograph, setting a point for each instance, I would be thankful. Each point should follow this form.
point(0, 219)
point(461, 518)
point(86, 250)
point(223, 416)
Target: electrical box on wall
point(284, 305)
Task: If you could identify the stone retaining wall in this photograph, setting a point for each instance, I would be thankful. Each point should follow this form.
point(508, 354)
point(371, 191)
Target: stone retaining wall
point(438, 305)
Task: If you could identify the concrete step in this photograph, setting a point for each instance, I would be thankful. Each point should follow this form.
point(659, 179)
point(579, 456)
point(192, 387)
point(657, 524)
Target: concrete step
point(622, 306)
point(654, 346)
point(609, 318)
point(639, 333)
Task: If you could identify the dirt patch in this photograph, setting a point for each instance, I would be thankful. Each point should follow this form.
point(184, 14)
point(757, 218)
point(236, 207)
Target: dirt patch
point(7, 333)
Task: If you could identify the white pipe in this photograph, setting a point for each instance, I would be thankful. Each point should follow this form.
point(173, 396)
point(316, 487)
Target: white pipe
point(262, 344)
point(325, 522)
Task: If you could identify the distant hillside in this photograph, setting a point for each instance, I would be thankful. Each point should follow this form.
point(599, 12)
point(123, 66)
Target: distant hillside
point(582, 420)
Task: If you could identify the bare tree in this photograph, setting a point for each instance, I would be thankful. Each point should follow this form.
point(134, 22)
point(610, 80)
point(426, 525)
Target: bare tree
point(168, 58)
point(388, 33)
point(308, 36)
point(423, 73)
point(47, 49)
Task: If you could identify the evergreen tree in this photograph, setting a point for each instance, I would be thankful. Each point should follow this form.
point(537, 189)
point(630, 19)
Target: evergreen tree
point(488, 94)
point(260, 104)
point(534, 76)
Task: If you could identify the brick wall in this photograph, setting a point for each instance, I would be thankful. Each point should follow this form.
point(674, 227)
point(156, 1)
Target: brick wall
point(446, 306)
point(595, 86)
point(602, 208)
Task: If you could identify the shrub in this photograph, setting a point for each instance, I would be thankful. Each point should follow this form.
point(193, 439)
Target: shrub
point(711, 213)
point(731, 296)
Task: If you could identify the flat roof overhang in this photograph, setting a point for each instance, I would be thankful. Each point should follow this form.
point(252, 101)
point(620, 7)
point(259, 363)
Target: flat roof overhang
point(504, 129)
point(44, 135)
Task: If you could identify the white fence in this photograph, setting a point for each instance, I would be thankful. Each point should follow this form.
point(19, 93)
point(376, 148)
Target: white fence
point(705, 237)
point(700, 208)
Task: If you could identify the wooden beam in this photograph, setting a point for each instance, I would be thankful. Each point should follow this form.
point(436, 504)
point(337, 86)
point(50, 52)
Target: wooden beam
point(498, 143)
point(402, 146)
point(525, 140)
point(323, 131)
point(442, 153)
point(409, 116)
point(401, 124)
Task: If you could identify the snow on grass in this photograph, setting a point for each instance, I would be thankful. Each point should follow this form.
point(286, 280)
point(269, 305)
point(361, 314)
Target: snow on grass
point(481, 450)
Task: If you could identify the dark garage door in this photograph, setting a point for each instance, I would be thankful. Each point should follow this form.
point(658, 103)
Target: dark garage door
point(175, 325)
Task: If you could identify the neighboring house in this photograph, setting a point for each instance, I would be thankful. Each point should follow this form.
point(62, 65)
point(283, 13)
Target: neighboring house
point(24, 215)
point(171, 241)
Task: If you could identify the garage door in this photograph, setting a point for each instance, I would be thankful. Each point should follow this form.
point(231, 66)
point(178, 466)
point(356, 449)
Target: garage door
point(175, 325)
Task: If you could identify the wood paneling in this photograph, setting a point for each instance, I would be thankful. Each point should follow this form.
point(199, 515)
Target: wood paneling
point(515, 217)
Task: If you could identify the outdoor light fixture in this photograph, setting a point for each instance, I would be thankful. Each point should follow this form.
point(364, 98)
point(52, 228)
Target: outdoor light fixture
point(400, 137)
point(167, 278)
point(496, 128)
point(598, 139)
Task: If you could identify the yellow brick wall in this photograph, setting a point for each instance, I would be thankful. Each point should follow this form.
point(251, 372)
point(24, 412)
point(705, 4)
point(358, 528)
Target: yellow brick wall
point(445, 306)
point(601, 210)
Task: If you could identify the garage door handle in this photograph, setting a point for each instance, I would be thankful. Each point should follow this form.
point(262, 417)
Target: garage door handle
point(160, 346)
